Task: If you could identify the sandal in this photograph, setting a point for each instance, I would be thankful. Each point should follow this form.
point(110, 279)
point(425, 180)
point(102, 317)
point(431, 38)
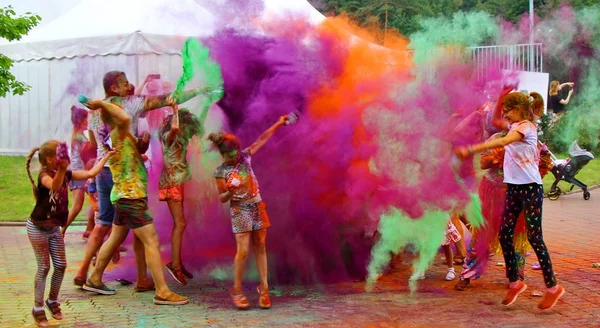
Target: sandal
point(240, 300)
point(462, 285)
point(264, 301)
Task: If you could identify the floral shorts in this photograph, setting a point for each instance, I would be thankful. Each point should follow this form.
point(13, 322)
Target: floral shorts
point(452, 234)
point(246, 217)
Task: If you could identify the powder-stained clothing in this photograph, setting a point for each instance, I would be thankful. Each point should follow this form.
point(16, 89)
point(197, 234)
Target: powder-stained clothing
point(133, 105)
point(522, 158)
point(51, 207)
point(176, 170)
point(127, 167)
point(77, 142)
point(248, 187)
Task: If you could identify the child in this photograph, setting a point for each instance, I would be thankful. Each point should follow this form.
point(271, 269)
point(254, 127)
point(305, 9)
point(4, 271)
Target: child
point(175, 135)
point(48, 215)
point(524, 192)
point(129, 196)
point(237, 184)
point(79, 118)
point(452, 236)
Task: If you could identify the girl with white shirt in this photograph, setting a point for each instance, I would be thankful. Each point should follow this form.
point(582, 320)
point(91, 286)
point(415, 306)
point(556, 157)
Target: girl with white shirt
point(524, 192)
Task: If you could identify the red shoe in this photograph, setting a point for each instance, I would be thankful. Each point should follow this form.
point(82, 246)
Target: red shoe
point(549, 300)
point(176, 273)
point(79, 281)
point(513, 293)
point(264, 301)
point(240, 300)
point(186, 273)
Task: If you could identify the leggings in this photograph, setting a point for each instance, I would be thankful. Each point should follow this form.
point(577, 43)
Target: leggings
point(526, 198)
point(47, 244)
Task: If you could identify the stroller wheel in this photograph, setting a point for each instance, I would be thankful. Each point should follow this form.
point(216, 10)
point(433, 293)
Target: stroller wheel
point(554, 194)
point(586, 195)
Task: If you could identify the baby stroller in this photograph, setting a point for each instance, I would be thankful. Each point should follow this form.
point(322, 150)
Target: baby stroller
point(567, 169)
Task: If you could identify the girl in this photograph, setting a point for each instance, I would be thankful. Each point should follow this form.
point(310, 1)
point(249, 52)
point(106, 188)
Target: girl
point(555, 102)
point(524, 192)
point(50, 213)
point(79, 118)
point(452, 237)
point(175, 173)
point(237, 184)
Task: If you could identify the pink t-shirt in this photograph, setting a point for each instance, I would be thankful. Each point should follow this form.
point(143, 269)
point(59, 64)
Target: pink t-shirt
point(522, 158)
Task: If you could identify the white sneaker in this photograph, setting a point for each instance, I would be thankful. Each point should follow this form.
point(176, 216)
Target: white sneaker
point(451, 275)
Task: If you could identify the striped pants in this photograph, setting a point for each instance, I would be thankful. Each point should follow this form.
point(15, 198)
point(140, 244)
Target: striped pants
point(46, 245)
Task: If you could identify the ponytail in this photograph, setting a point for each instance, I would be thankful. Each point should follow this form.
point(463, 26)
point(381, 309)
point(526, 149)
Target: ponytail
point(28, 164)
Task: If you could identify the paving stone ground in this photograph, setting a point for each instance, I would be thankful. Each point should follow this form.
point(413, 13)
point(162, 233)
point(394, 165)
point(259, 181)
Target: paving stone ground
point(571, 229)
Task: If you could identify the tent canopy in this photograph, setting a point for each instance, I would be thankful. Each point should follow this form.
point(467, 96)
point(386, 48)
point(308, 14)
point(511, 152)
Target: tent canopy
point(105, 27)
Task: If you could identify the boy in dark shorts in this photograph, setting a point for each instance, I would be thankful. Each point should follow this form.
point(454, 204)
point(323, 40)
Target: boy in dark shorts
point(129, 196)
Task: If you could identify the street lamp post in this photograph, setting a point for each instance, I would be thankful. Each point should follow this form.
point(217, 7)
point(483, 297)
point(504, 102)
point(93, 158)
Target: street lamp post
point(531, 66)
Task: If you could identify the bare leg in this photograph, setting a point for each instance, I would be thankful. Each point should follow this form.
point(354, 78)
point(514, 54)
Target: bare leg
point(93, 245)
point(90, 220)
point(147, 234)
point(176, 208)
point(78, 195)
point(117, 236)
point(259, 239)
point(140, 261)
point(243, 245)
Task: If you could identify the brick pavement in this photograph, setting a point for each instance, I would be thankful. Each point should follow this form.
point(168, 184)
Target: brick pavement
point(571, 227)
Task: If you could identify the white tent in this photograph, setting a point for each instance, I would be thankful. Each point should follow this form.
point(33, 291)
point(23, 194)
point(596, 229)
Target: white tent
point(69, 56)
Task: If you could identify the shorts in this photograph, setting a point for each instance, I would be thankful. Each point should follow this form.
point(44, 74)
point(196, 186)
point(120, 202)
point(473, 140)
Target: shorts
point(77, 184)
point(173, 193)
point(132, 213)
point(452, 234)
point(246, 217)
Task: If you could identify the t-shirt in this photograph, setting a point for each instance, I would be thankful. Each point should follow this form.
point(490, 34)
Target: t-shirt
point(554, 102)
point(176, 170)
point(521, 159)
point(77, 143)
point(51, 207)
point(248, 187)
point(127, 167)
point(133, 105)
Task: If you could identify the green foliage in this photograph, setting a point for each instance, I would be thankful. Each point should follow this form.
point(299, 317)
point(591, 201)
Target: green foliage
point(13, 27)
point(404, 15)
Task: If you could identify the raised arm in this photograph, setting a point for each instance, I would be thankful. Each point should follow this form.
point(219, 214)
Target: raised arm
point(262, 140)
point(119, 118)
point(55, 183)
point(155, 102)
point(497, 119)
point(566, 100)
point(464, 152)
point(94, 171)
point(174, 125)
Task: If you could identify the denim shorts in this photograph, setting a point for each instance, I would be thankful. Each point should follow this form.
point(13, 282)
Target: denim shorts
point(77, 184)
point(104, 185)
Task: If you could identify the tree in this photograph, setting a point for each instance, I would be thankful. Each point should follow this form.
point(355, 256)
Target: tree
point(404, 15)
point(13, 27)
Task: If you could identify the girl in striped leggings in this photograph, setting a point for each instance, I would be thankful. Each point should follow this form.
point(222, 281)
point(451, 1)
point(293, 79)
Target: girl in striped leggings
point(524, 193)
point(49, 214)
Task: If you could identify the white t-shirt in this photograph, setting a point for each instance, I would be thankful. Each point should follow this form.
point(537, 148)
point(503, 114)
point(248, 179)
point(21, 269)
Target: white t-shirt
point(522, 158)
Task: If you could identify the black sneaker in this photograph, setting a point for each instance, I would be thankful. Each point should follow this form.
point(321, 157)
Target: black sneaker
point(54, 310)
point(39, 318)
point(98, 289)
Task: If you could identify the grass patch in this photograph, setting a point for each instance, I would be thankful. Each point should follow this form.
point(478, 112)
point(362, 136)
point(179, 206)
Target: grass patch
point(18, 201)
point(16, 190)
